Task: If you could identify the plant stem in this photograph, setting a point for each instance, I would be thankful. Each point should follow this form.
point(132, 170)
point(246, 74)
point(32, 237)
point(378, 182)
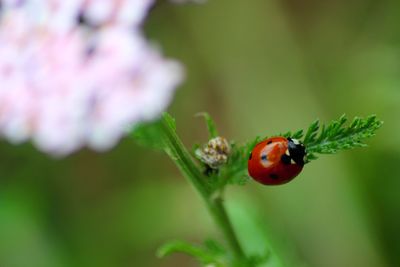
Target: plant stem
point(182, 158)
point(220, 215)
point(179, 154)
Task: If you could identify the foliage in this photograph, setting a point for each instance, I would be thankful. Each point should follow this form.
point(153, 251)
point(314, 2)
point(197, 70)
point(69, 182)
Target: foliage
point(319, 139)
point(211, 126)
point(210, 253)
point(148, 134)
point(211, 182)
point(151, 134)
point(335, 136)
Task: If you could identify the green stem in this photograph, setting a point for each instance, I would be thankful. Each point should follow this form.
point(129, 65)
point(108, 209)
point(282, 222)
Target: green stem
point(179, 154)
point(218, 211)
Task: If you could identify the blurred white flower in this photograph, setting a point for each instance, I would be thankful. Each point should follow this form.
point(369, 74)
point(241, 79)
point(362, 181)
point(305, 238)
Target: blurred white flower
point(123, 12)
point(65, 84)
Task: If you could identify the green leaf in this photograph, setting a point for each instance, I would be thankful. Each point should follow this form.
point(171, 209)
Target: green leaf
point(186, 248)
point(319, 139)
point(149, 134)
point(170, 120)
point(235, 170)
point(211, 126)
point(259, 259)
point(335, 136)
point(311, 132)
point(211, 253)
point(297, 135)
point(214, 247)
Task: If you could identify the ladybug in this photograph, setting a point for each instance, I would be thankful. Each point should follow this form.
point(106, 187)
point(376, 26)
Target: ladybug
point(276, 160)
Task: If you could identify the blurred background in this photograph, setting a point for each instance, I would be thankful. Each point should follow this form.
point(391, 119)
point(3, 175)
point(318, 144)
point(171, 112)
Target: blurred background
point(259, 68)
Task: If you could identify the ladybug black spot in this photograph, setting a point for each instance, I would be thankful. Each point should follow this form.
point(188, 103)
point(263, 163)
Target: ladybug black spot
point(285, 159)
point(274, 176)
point(264, 157)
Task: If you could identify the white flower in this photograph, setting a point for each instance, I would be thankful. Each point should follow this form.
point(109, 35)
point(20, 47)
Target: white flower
point(65, 86)
point(123, 12)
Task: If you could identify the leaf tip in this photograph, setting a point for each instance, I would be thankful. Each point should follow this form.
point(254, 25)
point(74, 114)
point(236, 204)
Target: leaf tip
point(211, 126)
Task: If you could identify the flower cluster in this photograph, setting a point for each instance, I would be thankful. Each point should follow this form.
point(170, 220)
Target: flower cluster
point(215, 153)
point(78, 72)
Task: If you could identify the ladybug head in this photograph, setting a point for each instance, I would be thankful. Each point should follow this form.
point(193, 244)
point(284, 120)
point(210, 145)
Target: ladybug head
point(297, 151)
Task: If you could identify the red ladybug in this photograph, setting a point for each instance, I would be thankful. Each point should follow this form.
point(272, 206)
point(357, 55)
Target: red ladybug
point(276, 160)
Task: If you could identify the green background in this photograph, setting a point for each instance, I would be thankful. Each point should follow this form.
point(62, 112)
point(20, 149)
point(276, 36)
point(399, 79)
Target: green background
point(259, 67)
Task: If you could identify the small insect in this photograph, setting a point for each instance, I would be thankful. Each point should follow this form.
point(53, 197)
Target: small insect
point(276, 160)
